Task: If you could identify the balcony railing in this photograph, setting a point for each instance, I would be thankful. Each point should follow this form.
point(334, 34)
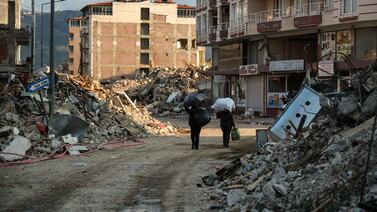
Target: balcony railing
point(201, 36)
point(311, 9)
point(297, 11)
point(237, 27)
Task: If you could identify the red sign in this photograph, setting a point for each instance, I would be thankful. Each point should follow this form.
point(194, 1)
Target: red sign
point(308, 21)
point(269, 26)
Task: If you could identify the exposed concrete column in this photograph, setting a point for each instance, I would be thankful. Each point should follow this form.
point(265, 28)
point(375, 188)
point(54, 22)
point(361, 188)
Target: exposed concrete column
point(11, 37)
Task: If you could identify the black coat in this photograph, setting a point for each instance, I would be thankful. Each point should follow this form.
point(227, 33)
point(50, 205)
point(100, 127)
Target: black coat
point(226, 119)
point(191, 111)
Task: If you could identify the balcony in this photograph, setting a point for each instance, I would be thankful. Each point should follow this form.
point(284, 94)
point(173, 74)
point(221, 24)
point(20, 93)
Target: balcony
point(237, 28)
point(212, 36)
point(201, 37)
point(305, 15)
point(202, 5)
point(223, 31)
point(212, 4)
point(224, 2)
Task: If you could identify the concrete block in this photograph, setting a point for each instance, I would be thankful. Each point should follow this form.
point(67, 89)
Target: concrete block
point(18, 145)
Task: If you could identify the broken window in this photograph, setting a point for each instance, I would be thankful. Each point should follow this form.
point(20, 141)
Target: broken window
point(144, 29)
point(144, 43)
point(71, 49)
point(182, 44)
point(144, 13)
point(144, 58)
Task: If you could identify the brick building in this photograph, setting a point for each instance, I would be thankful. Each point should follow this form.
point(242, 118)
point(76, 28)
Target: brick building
point(263, 49)
point(74, 48)
point(121, 38)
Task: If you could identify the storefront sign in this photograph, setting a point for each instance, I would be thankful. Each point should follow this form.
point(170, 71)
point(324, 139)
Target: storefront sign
point(326, 68)
point(269, 26)
point(275, 100)
point(328, 41)
point(287, 65)
point(219, 79)
point(251, 69)
point(308, 21)
point(343, 43)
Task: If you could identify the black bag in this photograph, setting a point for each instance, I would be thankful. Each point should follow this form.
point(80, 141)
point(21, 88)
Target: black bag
point(195, 100)
point(202, 117)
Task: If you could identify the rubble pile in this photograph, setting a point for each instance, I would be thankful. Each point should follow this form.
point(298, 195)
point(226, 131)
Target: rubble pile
point(105, 116)
point(321, 168)
point(161, 89)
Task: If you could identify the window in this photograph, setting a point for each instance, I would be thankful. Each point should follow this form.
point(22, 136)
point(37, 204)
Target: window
point(276, 84)
point(144, 58)
point(144, 13)
point(71, 36)
point(349, 6)
point(366, 50)
point(70, 60)
point(193, 44)
point(182, 44)
point(70, 49)
point(144, 29)
point(144, 43)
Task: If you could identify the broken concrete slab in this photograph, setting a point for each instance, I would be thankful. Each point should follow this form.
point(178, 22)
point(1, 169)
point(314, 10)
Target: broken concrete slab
point(280, 189)
point(68, 139)
point(235, 196)
point(17, 147)
point(77, 149)
point(7, 131)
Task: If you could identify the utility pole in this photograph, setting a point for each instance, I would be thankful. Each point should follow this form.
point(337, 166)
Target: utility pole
point(33, 36)
point(52, 65)
point(42, 37)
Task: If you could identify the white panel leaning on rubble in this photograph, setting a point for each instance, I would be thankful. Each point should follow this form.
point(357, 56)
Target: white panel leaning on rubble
point(222, 104)
point(307, 102)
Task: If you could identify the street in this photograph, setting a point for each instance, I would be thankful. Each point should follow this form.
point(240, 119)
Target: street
point(162, 175)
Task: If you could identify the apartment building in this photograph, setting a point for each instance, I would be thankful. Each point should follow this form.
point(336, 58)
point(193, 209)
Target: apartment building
point(12, 36)
point(123, 38)
point(263, 49)
point(74, 45)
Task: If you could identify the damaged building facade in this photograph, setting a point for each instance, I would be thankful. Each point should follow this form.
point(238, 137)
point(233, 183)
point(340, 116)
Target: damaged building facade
point(12, 36)
point(123, 38)
point(263, 50)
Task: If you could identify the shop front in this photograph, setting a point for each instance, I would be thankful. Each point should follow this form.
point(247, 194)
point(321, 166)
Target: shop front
point(284, 80)
point(254, 86)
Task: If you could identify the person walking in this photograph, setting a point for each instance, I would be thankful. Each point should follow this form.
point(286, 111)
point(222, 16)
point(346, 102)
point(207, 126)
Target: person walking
point(194, 127)
point(226, 124)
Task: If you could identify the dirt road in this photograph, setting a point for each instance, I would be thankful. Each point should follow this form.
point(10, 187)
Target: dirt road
point(162, 175)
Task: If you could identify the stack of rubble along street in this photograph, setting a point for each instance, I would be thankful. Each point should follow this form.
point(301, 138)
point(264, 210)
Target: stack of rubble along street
point(319, 169)
point(162, 90)
point(110, 117)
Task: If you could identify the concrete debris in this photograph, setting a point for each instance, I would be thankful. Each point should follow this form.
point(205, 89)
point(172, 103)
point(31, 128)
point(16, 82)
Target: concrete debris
point(16, 148)
point(107, 112)
point(68, 139)
point(162, 89)
point(77, 150)
point(319, 169)
point(235, 196)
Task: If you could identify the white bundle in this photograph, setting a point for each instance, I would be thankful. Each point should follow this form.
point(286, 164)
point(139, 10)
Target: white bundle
point(222, 104)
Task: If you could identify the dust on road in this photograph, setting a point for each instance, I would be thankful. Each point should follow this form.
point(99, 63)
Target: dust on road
point(162, 175)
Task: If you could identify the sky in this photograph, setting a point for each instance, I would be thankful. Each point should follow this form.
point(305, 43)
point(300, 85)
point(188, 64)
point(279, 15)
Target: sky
point(78, 4)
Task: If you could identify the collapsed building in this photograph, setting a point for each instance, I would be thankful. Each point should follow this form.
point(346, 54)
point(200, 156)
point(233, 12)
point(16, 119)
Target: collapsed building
point(90, 115)
point(321, 156)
